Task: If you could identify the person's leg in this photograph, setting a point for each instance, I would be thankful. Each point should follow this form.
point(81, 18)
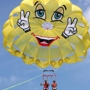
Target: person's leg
point(46, 89)
point(54, 89)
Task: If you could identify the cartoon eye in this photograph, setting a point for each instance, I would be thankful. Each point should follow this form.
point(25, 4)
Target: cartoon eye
point(57, 16)
point(40, 13)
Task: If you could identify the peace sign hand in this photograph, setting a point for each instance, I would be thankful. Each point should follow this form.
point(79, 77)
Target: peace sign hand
point(23, 22)
point(71, 28)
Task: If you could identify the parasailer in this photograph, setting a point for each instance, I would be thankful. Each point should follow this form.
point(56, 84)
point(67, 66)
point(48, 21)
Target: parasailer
point(45, 85)
point(48, 74)
point(54, 85)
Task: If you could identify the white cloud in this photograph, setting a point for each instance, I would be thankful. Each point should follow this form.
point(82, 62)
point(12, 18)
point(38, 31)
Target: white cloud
point(84, 2)
point(3, 80)
point(9, 81)
point(87, 2)
point(87, 14)
point(13, 79)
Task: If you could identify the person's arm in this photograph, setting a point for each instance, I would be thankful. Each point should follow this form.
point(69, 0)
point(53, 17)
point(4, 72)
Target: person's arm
point(41, 84)
point(48, 84)
point(56, 84)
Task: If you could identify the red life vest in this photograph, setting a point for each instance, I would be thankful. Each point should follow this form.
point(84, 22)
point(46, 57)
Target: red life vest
point(54, 85)
point(46, 85)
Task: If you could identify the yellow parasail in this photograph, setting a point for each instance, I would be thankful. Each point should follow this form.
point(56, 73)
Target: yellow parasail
point(47, 32)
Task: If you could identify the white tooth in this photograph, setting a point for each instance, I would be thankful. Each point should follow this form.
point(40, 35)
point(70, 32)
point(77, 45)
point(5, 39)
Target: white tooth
point(45, 38)
point(50, 38)
point(38, 36)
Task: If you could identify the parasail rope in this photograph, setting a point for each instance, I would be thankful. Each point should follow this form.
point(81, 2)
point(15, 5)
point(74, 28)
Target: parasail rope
point(22, 83)
point(37, 67)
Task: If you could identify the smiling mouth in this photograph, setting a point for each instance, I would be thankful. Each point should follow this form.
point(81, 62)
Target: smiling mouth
point(45, 41)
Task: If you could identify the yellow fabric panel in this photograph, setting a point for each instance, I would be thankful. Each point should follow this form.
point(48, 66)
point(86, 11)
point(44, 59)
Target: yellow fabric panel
point(22, 41)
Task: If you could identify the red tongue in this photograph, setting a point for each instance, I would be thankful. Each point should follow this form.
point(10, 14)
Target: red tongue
point(44, 42)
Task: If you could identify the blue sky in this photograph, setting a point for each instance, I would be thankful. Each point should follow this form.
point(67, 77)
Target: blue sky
point(13, 70)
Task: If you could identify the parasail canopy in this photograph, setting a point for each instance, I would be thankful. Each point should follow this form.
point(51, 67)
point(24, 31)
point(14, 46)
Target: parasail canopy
point(47, 32)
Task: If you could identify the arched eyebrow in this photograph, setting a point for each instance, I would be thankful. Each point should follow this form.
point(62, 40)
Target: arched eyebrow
point(36, 3)
point(64, 7)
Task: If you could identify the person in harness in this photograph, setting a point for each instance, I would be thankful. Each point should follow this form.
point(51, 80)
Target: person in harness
point(54, 85)
point(45, 85)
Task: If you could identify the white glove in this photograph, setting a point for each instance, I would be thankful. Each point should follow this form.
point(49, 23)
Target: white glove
point(70, 29)
point(23, 22)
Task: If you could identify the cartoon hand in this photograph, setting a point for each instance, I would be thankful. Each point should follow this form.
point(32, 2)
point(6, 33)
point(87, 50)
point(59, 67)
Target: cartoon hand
point(71, 28)
point(23, 22)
